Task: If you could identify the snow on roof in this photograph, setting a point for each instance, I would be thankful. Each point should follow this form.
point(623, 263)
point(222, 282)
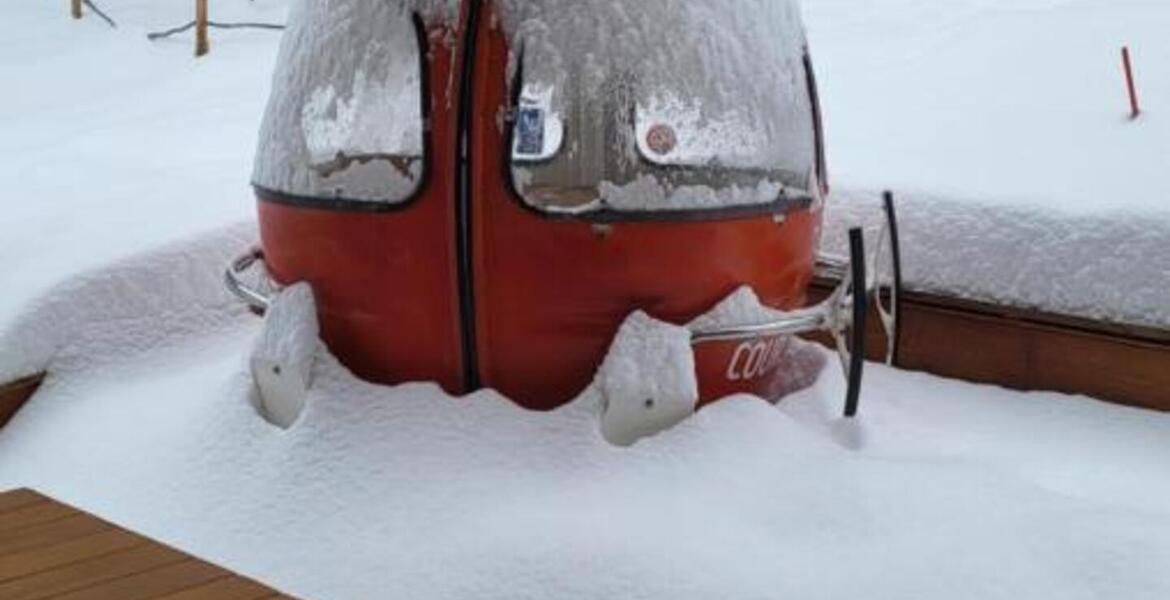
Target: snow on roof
point(741, 57)
point(344, 117)
point(727, 78)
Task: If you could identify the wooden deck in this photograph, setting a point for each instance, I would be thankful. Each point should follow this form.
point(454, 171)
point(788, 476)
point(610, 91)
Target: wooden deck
point(50, 550)
point(14, 395)
point(1027, 349)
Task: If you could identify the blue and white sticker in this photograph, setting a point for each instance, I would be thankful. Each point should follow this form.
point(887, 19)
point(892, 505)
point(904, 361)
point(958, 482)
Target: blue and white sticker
point(530, 131)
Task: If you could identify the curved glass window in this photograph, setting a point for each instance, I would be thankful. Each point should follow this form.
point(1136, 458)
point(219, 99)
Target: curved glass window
point(345, 120)
point(660, 105)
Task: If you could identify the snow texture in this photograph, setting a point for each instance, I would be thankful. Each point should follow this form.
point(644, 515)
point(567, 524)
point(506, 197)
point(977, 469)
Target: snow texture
point(647, 192)
point(127, 310)
point(742, 307)
point(700, 141)
point(1020, 178)
point(1108, 267)
point(344, 117)
point(647, 380)
point(945, 489)
point(112, 144)
point(735, 93)
point(282, 360)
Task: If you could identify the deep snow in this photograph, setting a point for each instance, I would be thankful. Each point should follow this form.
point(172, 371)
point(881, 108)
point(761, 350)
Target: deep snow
point(943, 489)
point(112, 144)
point(1003, 127)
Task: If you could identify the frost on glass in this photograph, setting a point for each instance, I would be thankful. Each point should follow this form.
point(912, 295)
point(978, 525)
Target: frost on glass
point(345, 117)
point(660, 104)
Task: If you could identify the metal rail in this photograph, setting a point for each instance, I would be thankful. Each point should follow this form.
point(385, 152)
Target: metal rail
point(804, 321)
point(255, 299)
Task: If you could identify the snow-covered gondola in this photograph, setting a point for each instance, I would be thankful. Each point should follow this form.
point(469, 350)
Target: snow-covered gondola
point(480, 193)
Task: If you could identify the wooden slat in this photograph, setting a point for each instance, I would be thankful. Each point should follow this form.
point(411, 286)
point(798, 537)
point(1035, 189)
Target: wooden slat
point(89, 573)
point(231, 588)
point(51, 533)
point(33, 514)
point(1034, 356)
point(13, 395)
point(151, 584)
point(19, 499)
point(1030, 350)
point(50, 550)
point(88, 547)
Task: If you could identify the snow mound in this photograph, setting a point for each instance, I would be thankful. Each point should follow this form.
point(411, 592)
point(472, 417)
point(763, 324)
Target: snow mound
point(282, 359)
point(647, 380)
point(404, 492)
point(1020, 178)
point(136, 306)
point(1109, 267)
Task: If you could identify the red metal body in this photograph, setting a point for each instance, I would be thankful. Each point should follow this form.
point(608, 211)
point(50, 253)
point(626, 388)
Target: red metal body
point(549, 293)
point(386, 283)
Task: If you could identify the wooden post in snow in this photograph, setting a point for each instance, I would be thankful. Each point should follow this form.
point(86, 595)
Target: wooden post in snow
point(76, 8)
point(1135, 109)
point(202, 44)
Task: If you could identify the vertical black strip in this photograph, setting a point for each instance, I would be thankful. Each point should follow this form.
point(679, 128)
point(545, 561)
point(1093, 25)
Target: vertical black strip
point(896, 256)
point(857, 330)
point(463, 212)
point(814, 96)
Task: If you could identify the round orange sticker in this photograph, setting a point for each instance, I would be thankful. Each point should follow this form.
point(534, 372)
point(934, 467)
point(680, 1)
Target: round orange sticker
point(661, 139)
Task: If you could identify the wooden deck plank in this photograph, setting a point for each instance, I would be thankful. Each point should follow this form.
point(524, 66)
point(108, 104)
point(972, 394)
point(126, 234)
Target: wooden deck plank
point(48, 534)
point(44, 558)
point(89, 573)
point(13, 395)
point(1028, 349)
point(151, 584)
point(50, 550)
point(34, 514)
point(19, 499)
point(230, 588)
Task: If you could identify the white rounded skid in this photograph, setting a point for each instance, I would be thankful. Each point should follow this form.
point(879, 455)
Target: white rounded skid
point(282, 359)
point(647, 382)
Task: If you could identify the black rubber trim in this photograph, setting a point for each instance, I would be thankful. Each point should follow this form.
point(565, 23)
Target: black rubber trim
point(343, 204)
point(814, 97)
point(463, 200)
point(896, 254)
point(857, 332)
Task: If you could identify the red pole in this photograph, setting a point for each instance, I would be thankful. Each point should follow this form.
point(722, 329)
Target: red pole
point(1135, 110)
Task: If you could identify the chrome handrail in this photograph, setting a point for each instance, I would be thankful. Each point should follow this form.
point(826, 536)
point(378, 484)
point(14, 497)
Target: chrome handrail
point(816, 318)
point(255, 299)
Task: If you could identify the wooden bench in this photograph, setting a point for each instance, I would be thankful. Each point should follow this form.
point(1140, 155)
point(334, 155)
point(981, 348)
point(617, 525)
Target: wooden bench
point(50, 550)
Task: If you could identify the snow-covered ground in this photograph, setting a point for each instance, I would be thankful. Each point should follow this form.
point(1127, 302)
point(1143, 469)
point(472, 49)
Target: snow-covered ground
point(126, 166)
point(1003, 126)
point(943, 489)
point(112, 143)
